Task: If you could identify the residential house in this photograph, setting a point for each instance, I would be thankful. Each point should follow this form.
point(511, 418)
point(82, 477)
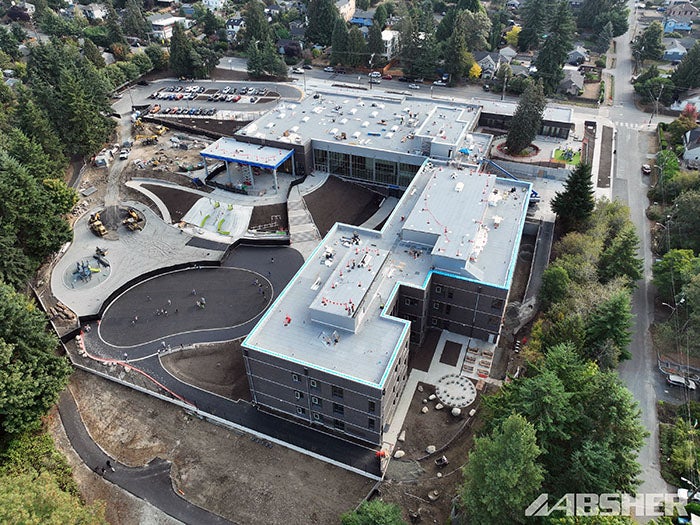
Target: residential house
point(674, 50)
point(577, 56)
point(297, 30)
point(391, 41)
point(507, 54)
point(691, 142)
point(94, 12)
point(233, 27)
point(679, 17)
point(691, 97)
point(513, 4)
point(213, 5)
point(289, 47)
point(520, 71)
point(162, 25)
point(346, 8)
point(488, 61)
point(29, 8)
point(572, 84)
point(187, 10)
point(363, 18)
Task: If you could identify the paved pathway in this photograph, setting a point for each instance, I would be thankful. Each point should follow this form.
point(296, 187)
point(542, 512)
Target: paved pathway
point(151, 483)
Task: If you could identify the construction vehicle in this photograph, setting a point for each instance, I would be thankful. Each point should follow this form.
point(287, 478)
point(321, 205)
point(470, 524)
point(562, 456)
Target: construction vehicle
point(96, 225)
point(160, 130)
point(99, 256)
point(147, 140)
point(133, 220)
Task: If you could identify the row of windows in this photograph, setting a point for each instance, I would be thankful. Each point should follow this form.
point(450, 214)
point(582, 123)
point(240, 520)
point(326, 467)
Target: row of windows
point(336, 392)
point(364, 168)
point(337, 423)
point(496, 304)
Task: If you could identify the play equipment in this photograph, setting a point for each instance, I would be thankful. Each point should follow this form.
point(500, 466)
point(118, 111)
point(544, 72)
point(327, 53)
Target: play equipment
point(133, 220)
point(83, 271)
point(96, 225)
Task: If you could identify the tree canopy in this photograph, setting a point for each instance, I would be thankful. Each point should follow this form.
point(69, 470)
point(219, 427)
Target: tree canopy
point(575, 204)
point(374, 512)
point(556, 47)
point(322, 15)
point(687, 74)
point(527, 118)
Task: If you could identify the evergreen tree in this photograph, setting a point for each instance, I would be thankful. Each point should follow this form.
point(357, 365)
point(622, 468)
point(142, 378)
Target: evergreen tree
point(134, 23)
point(620, 259)
point(93, 54)
point(257, 27)
point(649, 45)
point(115, 35)
point(527, 119)
point(322, 15)
point(575, 204)
point(357, 48)
point(375, 44)
point(534, 14)
point(477, 27)
point(340, 43)
point(427, 57)
point(604, 38)
point(458, 60)
point(556, 47)
point(409, 45)
point(470, 5)
point(503, 475)
point(180, 52)
point(446, 25)
point(687, 74)
point(595, 15)
point(380, 16)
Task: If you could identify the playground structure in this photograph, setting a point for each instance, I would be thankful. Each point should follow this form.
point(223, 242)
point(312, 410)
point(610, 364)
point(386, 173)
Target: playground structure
point(84, 271)
point(95, 224)
point(99, 256)
point(218, 217)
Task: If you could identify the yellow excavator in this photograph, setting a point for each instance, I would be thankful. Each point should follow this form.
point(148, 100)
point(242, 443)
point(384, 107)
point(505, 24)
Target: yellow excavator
point(96, 225)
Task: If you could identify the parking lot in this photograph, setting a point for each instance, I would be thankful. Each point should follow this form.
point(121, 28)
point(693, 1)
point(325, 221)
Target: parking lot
point(195, 93)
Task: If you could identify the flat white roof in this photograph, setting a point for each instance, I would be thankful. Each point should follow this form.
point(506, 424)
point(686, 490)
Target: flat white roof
point(331, 315)
point(552, 113)
point(231, 150)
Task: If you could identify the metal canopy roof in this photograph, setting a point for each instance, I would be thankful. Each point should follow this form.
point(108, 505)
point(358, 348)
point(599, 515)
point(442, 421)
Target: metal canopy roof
point(231, 150)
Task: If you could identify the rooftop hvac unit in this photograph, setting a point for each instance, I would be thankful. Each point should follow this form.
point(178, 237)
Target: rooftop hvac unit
point(353, 111)
point(459, 187)
point(343, 121)
point(389, 135)
point(270, 125)
point(374, 114)
point(333, 131)
point(357, 134)
point(294, 129)
point(282, 116)
point(365, 124)
point(305, 119)
point(394, 128)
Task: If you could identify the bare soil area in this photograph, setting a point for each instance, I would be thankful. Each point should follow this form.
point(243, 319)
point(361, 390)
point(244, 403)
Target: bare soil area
point(340, 201)
point(177, 201)
point(216, 468)
point(216, 368)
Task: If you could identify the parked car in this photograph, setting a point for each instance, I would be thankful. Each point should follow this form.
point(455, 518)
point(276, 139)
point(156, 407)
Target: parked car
point(329, 69)
point(307, 66)
point(226, 90)
point(124, 154)
point(297, 71)
point(439, 83)
point(646, 169)
point(374, 80)
point(403, 79)
point(387, 77)
point(375, 74)
point(413, 86)
point(675, 380)
point(486, 87)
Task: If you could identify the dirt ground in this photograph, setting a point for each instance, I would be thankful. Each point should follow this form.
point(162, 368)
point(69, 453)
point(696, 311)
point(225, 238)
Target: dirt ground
point(216, 468)
point(339, 201)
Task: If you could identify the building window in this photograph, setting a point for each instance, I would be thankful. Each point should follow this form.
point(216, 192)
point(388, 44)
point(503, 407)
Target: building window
point(371, 407)
point(438, 289)
point(436, 305)
point(338, 409)
point(370, 423)
point(407, 302)
point(301, 411)
point(448, 309)
point(493, 321)
point(318, 417)
point(295, 378)
point(434, 321)
point(312, 383)
point(450, 294)
point(298, 395)
point(315, 400)
point(497, 303)
point(338, 425)
point(337, 392)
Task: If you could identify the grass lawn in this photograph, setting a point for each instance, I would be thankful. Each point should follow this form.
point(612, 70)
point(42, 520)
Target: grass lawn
point(559, 155)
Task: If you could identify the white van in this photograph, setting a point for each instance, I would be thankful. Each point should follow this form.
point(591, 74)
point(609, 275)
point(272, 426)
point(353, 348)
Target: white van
point(675, 380)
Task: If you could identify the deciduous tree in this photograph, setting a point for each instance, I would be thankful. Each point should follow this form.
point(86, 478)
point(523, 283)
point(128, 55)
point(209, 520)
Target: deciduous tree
point(374, 512)
point(503, 475)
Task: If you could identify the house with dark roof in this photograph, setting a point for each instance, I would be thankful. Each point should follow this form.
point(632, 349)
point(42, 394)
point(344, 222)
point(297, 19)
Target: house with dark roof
point(507, 54)
point(572, 84)
point(363, 18)
point(577, 56)
point(674, 51)
point(488, 62)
